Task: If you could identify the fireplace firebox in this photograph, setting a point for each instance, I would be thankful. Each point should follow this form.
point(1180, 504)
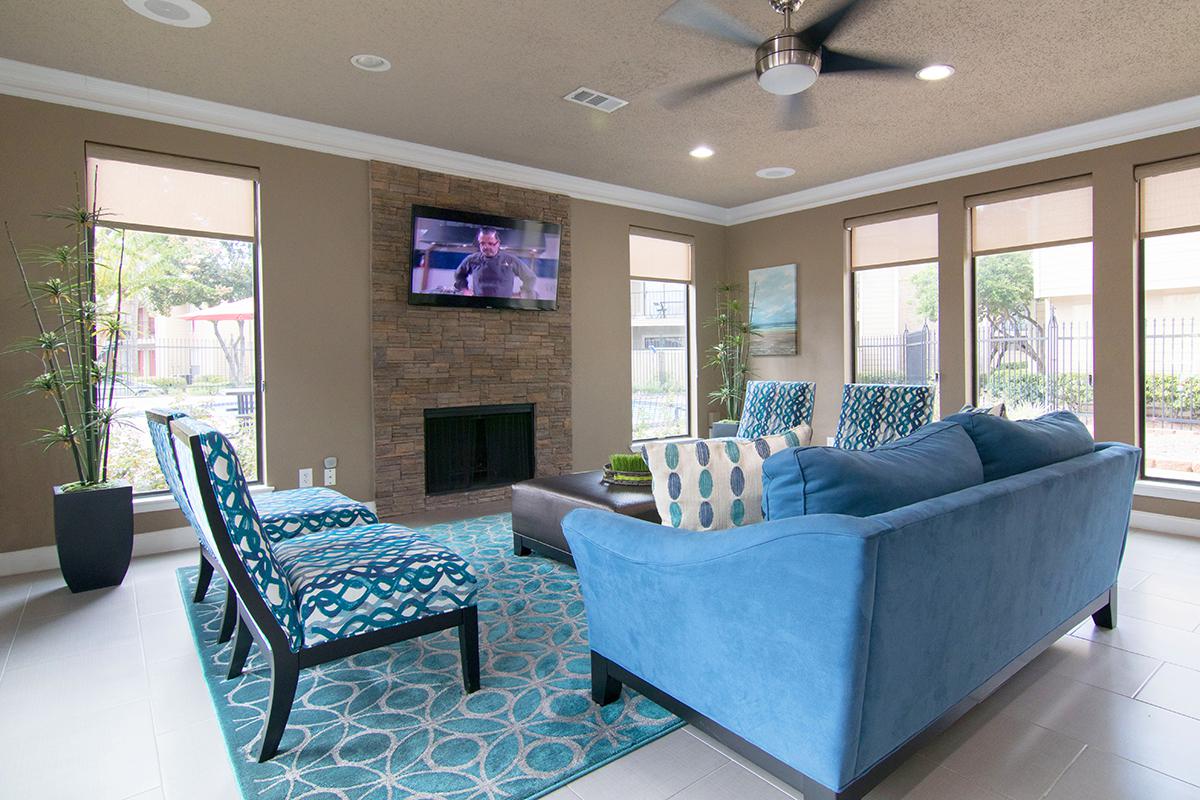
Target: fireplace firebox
point(476, 447)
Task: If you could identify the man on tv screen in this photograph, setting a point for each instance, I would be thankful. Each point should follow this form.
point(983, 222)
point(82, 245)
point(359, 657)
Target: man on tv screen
point(490, 273)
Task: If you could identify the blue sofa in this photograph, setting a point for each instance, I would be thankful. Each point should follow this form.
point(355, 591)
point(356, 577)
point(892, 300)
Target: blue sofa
point(828, 648)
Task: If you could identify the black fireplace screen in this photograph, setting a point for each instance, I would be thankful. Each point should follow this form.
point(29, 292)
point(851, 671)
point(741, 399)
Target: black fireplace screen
point(477, 446)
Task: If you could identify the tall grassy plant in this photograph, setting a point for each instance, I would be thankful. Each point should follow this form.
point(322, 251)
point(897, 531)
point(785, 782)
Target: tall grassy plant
point(731, 353)
point(76, 376)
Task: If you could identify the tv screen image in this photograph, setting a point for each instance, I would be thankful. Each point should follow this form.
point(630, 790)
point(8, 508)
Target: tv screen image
point(466, 259)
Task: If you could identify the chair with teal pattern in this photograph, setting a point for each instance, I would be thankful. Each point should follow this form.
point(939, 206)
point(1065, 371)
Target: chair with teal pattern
point(324, 596)
point(283, 514)
point(874, 414)
point(774, 407)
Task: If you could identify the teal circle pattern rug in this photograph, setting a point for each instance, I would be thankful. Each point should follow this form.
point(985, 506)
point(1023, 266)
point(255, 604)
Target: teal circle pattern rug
point(395, 722)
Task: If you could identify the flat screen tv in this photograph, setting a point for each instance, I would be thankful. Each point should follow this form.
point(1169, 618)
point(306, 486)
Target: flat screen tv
point(469, 260)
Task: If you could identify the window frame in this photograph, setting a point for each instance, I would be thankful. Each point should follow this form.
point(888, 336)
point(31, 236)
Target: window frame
point(689, 354)
point(260, 384)
point(925, 210)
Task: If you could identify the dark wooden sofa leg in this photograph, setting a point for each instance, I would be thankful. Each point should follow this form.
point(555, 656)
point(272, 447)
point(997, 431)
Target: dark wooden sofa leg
point(231, 615)
point(519, 548)
point(605, 688)
point(285, 673)
point(1106, 617)
point(468, 647)
point(241, 649)
point(203, 579)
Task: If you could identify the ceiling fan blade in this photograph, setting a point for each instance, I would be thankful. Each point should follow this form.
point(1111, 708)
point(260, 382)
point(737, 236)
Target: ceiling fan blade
point(832, 61)
point(674, 98)
point(795, 113)
point(700, 16)
point(816, 34)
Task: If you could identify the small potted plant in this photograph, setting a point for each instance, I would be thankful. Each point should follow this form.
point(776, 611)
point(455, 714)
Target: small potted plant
point(731, 356)
point(77, 344)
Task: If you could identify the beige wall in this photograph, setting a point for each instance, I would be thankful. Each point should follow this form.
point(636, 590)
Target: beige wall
point(316, 300)
point(814, 239)
point(600, 351)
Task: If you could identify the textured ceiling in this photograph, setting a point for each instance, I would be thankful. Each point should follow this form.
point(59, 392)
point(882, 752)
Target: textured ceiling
point(487, 78)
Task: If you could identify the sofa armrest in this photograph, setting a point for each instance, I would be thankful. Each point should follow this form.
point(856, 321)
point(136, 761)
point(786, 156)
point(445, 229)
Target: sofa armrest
point(763, 629)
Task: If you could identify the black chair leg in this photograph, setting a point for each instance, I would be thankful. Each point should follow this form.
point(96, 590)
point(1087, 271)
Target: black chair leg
point(203, 579)
point(1107, 617)
point(468, 648)
point(605, 688)
point(285, 672)
point(241, 650)
point(231, 615)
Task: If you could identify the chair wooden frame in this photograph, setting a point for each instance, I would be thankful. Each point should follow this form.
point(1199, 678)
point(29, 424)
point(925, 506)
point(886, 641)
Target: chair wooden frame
point(256, 623)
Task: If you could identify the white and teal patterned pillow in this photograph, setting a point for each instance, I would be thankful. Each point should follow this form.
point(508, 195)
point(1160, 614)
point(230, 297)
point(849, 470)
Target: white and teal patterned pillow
point(713, 484)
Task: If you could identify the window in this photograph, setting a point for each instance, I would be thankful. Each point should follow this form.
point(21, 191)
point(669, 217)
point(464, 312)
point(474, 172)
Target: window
point(894, 288)
point(1032, 256)
point(188, 230)
point(1170, 318)
point(660, 313)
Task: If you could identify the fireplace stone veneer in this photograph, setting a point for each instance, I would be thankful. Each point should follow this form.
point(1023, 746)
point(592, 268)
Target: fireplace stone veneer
point(437, 358)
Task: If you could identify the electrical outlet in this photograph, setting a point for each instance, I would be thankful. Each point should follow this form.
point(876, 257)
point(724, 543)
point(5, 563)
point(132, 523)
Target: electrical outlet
point(305, 478)
point(331, 477)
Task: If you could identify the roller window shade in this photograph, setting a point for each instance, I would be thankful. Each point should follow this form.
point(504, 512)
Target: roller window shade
point(1170, 198)
point(655, 258)
point(893, 242)
point(148, 191)
point(1030, 218)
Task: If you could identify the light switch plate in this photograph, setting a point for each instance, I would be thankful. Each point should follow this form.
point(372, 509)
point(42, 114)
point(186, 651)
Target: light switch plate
point(331, 477)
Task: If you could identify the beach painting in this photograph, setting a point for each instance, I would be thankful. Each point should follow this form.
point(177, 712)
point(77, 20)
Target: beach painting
point(772, 296)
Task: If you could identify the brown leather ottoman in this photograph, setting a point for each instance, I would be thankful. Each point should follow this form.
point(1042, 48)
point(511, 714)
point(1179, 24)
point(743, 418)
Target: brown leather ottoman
point(539, 505)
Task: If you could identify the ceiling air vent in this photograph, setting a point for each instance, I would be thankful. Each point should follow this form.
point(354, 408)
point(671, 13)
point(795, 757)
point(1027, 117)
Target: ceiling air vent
point(593, 99)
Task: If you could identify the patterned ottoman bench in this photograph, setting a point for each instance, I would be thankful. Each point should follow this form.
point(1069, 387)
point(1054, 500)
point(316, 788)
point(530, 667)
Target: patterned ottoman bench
point(539, 505)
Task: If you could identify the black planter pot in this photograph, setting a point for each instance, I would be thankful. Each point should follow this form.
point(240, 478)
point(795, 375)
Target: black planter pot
point(94, 533)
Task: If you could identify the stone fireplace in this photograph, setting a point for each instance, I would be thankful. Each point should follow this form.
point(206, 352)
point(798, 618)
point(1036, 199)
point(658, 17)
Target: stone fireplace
point(430, 362)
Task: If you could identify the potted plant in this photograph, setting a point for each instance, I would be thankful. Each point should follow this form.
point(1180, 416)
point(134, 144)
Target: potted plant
point(730, 355)
point(77, 344)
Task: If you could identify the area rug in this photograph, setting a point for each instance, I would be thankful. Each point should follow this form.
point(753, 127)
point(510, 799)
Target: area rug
point(395, 723)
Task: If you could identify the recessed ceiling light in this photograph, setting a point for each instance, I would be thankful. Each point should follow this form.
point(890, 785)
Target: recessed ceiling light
point(371, 63)
point(935, 72)
point(775, 173)
point(703, 151)
point(180, 13)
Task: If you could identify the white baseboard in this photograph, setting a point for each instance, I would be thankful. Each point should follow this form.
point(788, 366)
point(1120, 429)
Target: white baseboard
point(38, 559)
point(1165, 523)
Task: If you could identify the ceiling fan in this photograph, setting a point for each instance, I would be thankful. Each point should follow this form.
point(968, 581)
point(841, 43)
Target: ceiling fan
point(785, 64)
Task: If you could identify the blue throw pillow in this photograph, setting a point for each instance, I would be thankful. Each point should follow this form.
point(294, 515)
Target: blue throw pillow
point(1007, 447)
point(938, 459)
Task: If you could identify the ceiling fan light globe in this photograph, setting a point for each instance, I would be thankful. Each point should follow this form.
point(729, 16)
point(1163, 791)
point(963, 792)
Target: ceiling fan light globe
point(788, 79)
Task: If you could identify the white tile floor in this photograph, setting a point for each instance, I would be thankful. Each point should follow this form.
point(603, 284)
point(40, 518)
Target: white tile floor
point(101, 697)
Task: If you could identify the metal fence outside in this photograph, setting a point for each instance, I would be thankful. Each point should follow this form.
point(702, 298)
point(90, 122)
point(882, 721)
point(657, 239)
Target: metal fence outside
point(163, 362)
point(1048, 366)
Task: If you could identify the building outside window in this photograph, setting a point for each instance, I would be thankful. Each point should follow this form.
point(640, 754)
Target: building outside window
point(894, 289)
point(188, 230)
point(661, 334)
point(1032, 256)
point(1169, 219)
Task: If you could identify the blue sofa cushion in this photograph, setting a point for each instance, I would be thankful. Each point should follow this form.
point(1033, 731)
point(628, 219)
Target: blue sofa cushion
point(937, 459)
point(1007, 447)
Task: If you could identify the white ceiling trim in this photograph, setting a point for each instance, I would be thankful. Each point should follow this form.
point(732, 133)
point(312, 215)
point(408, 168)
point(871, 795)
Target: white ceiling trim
point(1143, 123)
point(73, 89)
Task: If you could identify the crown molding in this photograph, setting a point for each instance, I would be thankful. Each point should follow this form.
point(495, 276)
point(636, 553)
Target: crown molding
point(73, 89)
point(1143, 123)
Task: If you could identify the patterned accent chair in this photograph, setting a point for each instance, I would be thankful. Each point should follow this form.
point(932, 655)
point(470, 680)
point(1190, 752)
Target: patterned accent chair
point(875, 414)
point(283, 514)
point(773, 407)
point(328, 595)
